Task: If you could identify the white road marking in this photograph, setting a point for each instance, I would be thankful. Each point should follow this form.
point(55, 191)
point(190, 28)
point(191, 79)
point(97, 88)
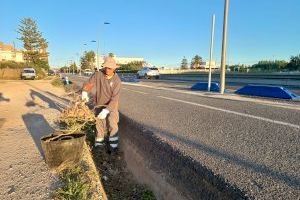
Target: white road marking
point(135, 91)
point(226, 97)
point(234, 112)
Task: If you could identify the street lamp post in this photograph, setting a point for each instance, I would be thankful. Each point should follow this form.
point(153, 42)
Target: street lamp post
point(211, 51)
point(224, 48)
point(105, 23)
point(97, 54)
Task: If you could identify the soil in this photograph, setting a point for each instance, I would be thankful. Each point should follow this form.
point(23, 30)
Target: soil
point(117, 181)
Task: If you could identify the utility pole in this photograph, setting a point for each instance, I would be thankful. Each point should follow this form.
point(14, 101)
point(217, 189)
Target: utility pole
point(224, 48)
point(211, 51)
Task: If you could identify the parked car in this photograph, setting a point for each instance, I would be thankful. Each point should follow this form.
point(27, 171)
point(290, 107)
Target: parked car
point(87, 72)
point(28, 73)
point(148, 72)
point(51, 72)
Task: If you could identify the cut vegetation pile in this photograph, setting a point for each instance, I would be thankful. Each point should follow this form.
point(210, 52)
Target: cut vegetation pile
point(82, 181)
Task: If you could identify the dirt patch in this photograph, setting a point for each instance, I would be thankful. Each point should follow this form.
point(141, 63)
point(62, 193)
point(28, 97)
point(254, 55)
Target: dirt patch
point(117, 181)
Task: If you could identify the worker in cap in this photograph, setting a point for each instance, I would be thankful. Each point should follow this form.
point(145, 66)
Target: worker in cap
point(107, 85)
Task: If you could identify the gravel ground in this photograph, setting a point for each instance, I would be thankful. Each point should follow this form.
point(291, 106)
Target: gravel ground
point(27, 113)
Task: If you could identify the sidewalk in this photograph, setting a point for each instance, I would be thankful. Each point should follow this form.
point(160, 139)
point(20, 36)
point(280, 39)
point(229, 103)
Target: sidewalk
point(27, 113)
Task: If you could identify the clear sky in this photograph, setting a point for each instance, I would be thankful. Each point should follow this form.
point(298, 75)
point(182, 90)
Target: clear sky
point(161, 31)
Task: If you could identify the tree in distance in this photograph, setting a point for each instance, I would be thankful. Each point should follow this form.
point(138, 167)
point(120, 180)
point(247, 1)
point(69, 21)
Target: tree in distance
point(184, 63)
point(33, 42)
point(196, 62)
point(87, 61)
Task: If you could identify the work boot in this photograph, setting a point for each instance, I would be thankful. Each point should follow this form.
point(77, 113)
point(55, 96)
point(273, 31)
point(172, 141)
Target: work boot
point(113, 143)
point(99, 142)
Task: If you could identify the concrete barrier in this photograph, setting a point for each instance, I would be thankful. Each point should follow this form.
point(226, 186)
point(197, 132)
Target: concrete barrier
point(202, 86)
point(267, 91)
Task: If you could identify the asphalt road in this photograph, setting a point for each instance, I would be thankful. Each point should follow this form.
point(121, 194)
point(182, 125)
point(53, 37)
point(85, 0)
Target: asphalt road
point(252, 143)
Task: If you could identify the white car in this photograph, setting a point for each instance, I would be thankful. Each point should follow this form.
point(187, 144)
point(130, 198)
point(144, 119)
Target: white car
point(148, 72)
point(87, 72)
point(28, 73)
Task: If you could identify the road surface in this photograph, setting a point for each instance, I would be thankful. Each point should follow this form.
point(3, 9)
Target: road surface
point(252, 143)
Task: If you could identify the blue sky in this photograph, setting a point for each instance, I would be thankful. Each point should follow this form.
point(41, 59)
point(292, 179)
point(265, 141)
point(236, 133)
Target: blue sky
point(161, 31)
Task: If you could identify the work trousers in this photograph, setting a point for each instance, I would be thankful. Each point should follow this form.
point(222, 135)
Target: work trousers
point(108, 126)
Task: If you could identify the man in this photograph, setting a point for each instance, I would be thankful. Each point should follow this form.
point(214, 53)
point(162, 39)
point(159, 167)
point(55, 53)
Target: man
point(107, 84)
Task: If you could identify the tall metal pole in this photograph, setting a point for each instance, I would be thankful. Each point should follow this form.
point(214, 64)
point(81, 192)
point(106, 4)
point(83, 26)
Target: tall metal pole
point(211, 51)
point(224, 48)
point(98, 55)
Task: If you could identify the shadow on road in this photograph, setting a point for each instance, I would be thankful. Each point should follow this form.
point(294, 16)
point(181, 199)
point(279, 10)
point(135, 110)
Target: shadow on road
point(38, 127)
point(2, 98)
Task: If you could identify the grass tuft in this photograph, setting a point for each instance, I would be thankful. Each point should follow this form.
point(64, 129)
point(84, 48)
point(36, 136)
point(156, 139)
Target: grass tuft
point(74, 187)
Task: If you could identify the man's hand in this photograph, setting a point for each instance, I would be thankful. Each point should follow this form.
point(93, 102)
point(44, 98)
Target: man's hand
point(103, 114)
point(84, 96)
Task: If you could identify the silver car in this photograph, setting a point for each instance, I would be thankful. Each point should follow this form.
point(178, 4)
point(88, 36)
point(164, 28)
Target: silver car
point(148, 72)
point(28, 73)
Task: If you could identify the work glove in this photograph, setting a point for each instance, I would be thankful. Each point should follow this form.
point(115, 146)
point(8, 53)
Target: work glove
point(84, 96)
point(103, 114)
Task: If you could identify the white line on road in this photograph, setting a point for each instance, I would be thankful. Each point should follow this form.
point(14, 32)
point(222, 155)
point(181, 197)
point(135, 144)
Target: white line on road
point(135, 91)
point(234, 112)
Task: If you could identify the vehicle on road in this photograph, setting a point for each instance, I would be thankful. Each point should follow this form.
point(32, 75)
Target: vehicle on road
point(52, 72)
point(87, 72)
point(148, 72)
point(28, 73)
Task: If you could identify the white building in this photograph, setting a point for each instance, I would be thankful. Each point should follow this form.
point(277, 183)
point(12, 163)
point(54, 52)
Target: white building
point(205, 65)
point(9, 53)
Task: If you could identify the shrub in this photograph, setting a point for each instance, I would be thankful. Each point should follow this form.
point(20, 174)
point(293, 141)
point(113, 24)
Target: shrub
point(57, 82)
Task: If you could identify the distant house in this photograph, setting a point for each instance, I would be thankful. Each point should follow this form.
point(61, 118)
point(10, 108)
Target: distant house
point(9, 53)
